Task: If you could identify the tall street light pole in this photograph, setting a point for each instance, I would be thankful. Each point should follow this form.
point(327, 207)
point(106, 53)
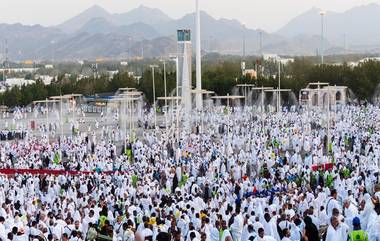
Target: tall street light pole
point(198, 97)
point(166, 104)
point(279, 87)
point(322, 13)
point(244, 29)
point(154, 96)
point(176, 59)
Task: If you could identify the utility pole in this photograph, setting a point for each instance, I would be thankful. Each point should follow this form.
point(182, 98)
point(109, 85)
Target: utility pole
point(322, 13)
point(154, 96)
point(243, 42)
point(166, 104)
point(279, 87)
point(198, 97)
point(261, 42)
point(176, 60)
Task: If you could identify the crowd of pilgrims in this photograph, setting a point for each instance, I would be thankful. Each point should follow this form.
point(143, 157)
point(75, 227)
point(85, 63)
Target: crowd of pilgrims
point(240, 176)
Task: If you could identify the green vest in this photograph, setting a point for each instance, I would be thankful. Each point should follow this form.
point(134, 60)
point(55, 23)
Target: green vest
point(134, 181)
point(358, 235)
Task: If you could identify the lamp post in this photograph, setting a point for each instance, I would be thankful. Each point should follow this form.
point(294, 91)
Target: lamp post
point(198, 97)
point(322, 13)
point(328, 121)
point(154, 96)
point(175, 58)
point(166, 107)
point(244, 30)
point(279, 87)
point(47, 119)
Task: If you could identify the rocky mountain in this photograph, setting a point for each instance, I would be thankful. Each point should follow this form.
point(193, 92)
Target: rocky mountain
point(137, 30)
point(355, 26)
point(141, 14)
point(75, 23)
point(147, 31)
point(24, 41)
point(298, 45)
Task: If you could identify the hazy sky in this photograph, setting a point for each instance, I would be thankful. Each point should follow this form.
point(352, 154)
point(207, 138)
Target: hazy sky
point(265, 14)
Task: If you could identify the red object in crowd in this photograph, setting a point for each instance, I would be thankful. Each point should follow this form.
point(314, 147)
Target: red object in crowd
point(33, 125)
point(325, 167)
point(11, 172)
point(254, 189)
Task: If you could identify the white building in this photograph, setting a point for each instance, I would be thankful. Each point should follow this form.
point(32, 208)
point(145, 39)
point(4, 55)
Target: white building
point(11, 82)
point(355, 64)
point(285, 61)
point(20, 70)
point(46, 79)
point(276, 58)
point(322, 95)
point(271, 57)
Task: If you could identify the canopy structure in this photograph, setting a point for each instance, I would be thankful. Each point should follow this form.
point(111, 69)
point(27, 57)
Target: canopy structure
point(278, 90)
point(123, 99)
point(251, 87)
point(170, 98)
point(195, 91)
point(131, 93)
point(262, 88)
point(60, 97)
point(228, 97)
point(318, 84)
point(245, 85)
point(44, 101)
point(74, 95)
point(126, 89)
point(65, 97)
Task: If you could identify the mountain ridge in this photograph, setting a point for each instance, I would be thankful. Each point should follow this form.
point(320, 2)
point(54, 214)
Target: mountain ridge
point(96, 32)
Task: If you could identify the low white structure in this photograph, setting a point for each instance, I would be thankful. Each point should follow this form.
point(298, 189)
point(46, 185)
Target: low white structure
point(277, 58)
point(11, 82)
point(321, 95)
point(20, 70)
point(355, 64)
point(112, 73)
point(271, 57)
point(46, 79)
